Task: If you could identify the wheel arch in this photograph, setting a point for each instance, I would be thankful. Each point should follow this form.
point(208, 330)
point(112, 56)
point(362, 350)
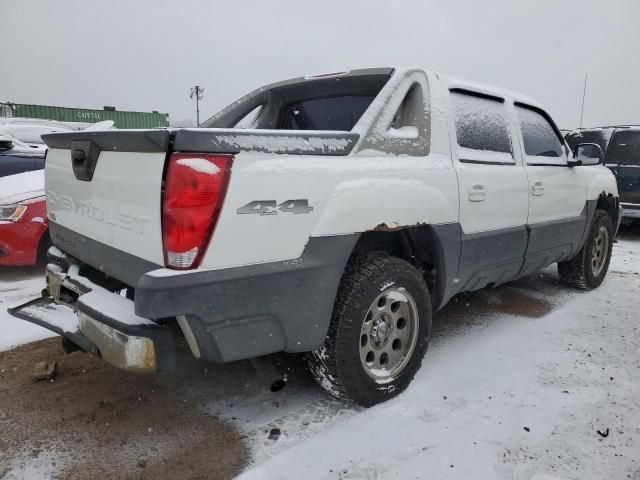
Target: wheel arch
point(610, 204)
point(603, 189)
point(433, 249)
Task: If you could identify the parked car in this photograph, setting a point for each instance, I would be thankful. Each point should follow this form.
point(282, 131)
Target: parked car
point(354, 206)
point(30, 131)
point(17, 157)
point(24, 237)
point(621, 148)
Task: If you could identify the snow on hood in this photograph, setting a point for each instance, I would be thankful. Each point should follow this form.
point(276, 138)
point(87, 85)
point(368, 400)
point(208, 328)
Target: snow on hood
point(20, 187)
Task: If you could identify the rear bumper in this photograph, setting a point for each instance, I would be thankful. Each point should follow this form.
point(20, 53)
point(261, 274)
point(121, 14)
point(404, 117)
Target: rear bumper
point(99, 321)
point(630, 210)
point(249, 311)
point(225, 315)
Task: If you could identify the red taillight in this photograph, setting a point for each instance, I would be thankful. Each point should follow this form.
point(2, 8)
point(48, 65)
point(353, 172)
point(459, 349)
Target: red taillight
point(194, 191)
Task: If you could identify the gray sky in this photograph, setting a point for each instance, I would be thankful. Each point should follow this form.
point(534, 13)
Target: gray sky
point(146, 54)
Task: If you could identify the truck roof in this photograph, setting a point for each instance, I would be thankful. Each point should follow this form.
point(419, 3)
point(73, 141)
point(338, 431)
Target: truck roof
point(453, 81)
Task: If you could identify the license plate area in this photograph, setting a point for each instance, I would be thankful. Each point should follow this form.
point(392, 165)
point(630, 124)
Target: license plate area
point(54, 283)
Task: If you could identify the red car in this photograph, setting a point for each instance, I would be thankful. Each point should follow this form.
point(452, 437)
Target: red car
point(24, 237)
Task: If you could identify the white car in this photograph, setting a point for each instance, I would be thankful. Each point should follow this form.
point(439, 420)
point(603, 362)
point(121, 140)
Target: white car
point(354, 206)
point(30, 130)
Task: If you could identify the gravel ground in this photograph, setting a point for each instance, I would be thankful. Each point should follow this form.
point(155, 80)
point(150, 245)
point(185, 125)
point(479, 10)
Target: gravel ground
point(95, 421)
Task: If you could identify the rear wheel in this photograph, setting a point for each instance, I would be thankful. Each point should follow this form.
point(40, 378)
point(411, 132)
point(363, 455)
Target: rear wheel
point(589, 267)
point(379, 331)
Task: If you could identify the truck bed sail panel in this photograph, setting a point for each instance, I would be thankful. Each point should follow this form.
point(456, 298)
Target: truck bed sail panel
point(207, 140)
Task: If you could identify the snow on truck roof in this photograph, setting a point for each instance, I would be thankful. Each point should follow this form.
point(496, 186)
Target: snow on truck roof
point(491, 90)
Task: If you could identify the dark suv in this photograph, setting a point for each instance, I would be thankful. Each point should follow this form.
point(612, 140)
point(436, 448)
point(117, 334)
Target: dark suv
point(16, 157)
point(621, 148)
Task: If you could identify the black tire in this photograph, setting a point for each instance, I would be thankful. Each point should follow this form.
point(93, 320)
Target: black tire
point(43, 248)
point(337, 365)
point(581, 272)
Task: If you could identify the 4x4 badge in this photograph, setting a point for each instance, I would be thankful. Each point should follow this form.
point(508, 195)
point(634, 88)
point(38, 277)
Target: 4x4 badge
point(271, 207)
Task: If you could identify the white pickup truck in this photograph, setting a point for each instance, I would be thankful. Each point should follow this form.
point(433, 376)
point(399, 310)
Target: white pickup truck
point(329, 214)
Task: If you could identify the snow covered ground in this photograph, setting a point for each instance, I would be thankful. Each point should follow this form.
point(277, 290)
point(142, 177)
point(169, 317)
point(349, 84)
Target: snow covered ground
point(516, 384)
point(18, 285)
point(503, 396)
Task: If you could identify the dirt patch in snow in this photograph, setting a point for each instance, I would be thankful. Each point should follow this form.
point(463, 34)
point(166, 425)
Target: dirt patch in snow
point(532, 297)
point(96, 421)
point(507, 300)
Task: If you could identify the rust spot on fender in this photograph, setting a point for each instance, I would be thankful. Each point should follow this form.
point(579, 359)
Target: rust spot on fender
point(384, 227)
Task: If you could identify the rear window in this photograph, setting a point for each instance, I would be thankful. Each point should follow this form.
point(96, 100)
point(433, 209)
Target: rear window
point(624, 149)
point(600, 137)
point(333, 113)
point(334, 102)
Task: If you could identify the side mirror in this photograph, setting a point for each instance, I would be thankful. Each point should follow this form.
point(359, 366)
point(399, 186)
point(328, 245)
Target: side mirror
point(587, 154)
point(5, 143)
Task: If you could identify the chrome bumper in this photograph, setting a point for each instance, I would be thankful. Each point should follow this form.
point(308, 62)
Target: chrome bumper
point(630, 210)
point(99, 321)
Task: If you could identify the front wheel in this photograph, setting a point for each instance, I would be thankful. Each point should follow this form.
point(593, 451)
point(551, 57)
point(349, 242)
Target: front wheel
point(379, 331)
point(589, 267)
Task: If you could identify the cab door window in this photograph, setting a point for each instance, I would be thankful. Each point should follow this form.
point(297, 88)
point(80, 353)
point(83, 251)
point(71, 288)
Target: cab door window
point(542, 142)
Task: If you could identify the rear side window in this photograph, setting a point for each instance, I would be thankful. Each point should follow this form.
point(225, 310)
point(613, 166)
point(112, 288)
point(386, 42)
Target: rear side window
point(482, 128)
point(401, 121)
point(624, 149)
point(539, 136)
point(332, 113)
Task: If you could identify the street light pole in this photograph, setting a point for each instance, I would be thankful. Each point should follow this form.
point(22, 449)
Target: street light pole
point(198, 93)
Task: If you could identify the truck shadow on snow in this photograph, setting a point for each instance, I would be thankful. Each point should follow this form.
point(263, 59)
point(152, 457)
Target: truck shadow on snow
point(529, 297)
point(17, 274)
point(629, 232)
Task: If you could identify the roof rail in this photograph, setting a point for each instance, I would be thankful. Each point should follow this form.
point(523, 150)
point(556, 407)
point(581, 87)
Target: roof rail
point(607, 126)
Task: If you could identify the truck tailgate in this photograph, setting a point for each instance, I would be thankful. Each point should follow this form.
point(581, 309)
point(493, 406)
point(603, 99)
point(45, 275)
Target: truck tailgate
point(107, 186)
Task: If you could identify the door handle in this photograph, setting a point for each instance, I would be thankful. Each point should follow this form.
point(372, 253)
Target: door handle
point(477, 193)
point(537, 188)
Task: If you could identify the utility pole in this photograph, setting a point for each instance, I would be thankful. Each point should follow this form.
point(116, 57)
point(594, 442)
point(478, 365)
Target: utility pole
point(198, 93)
